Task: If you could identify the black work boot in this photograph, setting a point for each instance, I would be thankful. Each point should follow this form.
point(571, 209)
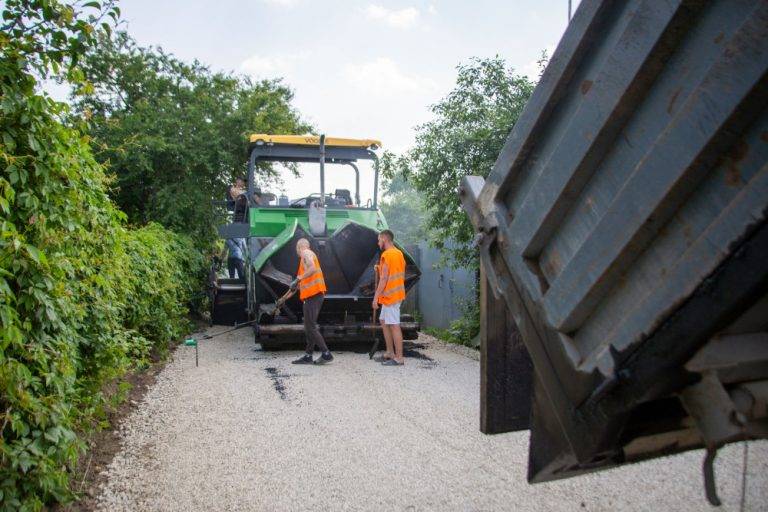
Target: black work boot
point(325, 358)
point(305, 359)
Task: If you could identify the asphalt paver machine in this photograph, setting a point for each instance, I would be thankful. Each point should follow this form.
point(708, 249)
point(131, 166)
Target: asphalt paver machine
point(340, 230)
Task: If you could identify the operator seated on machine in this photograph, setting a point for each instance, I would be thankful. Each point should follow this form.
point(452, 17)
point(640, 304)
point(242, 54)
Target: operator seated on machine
point(234, 192)
point(238, 192)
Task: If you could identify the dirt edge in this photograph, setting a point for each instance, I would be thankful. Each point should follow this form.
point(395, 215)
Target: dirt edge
point(104, 444)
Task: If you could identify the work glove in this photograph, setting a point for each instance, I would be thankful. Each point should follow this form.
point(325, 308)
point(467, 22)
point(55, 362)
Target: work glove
point(294, 284)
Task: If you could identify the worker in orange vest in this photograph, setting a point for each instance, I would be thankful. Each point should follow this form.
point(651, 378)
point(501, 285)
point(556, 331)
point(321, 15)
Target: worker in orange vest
point(311, 285)
point(390, 294)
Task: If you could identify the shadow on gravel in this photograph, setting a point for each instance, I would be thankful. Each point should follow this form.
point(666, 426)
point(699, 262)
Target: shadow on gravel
point(411, 350)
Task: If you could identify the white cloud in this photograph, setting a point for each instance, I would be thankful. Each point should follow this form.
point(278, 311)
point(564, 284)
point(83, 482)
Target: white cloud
point(259, 66)
point(432, 9)
point(397, 18)
point(286, 3)
point(383, 77)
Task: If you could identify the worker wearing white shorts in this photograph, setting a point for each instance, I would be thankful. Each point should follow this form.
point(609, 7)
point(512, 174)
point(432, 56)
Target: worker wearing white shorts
point(390, 293)
point(390, 315)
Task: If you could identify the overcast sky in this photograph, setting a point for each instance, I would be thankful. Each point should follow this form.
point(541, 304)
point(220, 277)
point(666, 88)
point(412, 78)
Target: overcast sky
point(359, 69)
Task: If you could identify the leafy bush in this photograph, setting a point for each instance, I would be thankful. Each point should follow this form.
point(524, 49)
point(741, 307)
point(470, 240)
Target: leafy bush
point(82, 297)
point(465, 330)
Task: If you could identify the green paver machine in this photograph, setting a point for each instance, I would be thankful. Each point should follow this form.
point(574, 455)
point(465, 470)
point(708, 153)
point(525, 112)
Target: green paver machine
point(342, 232)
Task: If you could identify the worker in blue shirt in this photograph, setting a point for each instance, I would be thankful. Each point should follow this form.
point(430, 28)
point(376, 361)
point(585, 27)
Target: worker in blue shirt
point(236, 258)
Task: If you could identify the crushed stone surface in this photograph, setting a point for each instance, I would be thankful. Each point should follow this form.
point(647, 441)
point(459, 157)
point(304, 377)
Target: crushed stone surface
point(247, 430)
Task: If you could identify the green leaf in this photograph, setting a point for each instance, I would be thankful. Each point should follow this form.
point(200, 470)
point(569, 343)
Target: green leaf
point(53, 434)
point(24, 461)
point(8, 141)
point(35, 254)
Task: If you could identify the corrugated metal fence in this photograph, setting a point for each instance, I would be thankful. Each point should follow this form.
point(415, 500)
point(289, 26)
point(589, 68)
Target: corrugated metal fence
point(441, 290)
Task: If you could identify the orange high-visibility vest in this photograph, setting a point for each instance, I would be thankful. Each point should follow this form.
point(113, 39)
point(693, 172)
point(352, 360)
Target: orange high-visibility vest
point(394, 291)
point(313, 283)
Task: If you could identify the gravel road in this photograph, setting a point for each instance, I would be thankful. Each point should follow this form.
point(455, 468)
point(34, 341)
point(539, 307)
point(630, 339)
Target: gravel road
point(247, 430)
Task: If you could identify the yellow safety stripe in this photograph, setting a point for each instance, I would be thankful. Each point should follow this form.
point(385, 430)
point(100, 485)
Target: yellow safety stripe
point(399, 275)
point(393, 291)
point(312, 283)
point(317, 271)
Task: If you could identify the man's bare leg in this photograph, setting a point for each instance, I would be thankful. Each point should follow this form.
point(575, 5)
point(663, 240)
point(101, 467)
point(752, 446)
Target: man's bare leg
point(397, 335)
point(388, 340)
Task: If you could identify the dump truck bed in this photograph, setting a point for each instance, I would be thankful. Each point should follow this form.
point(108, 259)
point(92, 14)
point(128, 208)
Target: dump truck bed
point(624, 225)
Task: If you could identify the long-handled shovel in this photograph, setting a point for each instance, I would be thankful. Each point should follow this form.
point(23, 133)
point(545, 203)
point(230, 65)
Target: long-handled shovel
point(192, 342)
point(279, 304)
point(236, 327)
point(376, 339)
point(281, 301)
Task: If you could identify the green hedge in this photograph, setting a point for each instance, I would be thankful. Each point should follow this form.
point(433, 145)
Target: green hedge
point(83, 297)
point(82, 300)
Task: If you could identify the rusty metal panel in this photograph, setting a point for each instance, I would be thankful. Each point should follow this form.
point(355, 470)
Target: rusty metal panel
point(625, 222)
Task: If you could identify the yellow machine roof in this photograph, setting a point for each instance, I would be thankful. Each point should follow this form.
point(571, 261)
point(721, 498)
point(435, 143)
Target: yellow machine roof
point(314, 140)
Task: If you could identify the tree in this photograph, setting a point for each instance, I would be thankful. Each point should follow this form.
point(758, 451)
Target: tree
point(175, 134)
point(469, 129)
point(403, 208)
